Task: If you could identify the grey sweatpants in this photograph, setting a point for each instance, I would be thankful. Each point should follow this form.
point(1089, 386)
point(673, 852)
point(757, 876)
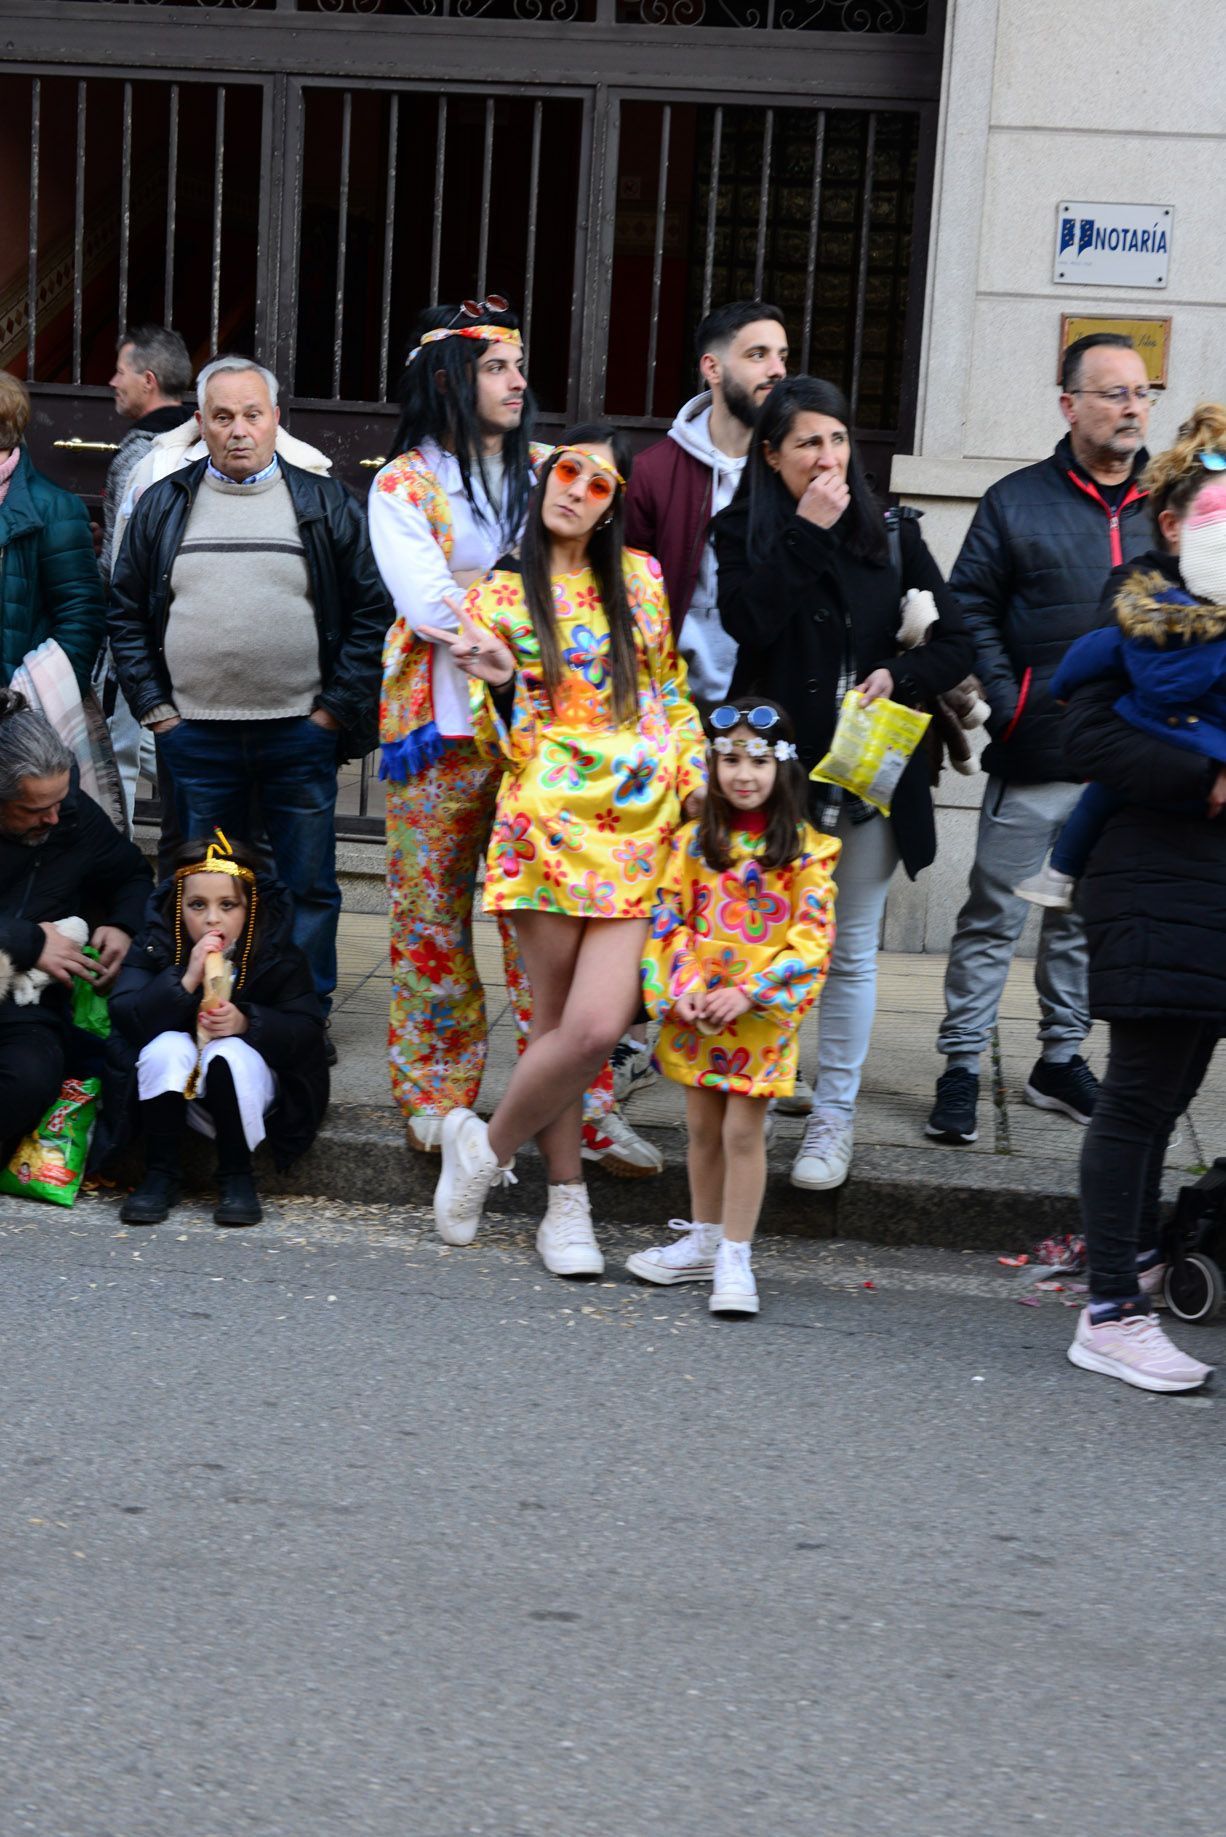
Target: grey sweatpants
point(1017, 826)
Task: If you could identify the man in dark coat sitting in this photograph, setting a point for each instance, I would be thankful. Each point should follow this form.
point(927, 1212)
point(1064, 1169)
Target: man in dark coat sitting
point(60, 857)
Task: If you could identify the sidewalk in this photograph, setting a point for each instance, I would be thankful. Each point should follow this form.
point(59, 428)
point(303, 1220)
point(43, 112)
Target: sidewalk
point(1015, 1185)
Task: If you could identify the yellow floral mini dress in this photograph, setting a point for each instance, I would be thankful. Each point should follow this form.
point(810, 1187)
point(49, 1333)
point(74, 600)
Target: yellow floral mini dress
point(768, 931)
point(586, 807)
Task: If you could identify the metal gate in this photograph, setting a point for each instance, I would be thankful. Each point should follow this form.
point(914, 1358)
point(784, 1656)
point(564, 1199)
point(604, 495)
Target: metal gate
point(297, 180)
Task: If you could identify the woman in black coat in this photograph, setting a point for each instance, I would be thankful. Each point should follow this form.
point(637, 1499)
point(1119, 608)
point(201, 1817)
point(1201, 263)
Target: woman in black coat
point(278, 1016)
point(811, 592)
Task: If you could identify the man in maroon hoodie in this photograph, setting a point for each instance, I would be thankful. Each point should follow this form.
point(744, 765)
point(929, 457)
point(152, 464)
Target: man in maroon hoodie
point(679, 483)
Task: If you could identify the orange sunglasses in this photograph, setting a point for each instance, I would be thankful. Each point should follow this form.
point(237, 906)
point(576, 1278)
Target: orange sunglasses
point(600, 486)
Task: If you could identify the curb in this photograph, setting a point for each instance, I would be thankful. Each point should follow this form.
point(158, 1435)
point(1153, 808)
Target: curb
point(948, 1199)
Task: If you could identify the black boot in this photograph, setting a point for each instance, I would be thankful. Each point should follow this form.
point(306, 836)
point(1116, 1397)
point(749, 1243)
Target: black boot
point(162, 1120)
point(238, 1202)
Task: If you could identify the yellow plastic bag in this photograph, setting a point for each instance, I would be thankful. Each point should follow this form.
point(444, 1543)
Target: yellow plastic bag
point(871, 747)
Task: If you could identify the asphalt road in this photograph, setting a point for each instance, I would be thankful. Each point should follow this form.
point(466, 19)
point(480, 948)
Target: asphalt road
point(323, 1529)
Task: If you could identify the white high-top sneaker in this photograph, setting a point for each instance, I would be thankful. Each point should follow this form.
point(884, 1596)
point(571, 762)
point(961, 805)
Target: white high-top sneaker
point(564, 1237)
point(690, 1258)
point(470, 1169)
point(734, 1290)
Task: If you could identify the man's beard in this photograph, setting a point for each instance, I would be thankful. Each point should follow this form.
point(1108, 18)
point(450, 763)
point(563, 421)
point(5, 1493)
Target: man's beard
point(740, 404)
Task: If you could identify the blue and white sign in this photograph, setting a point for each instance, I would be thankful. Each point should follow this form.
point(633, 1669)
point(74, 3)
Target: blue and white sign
point(1113, 245)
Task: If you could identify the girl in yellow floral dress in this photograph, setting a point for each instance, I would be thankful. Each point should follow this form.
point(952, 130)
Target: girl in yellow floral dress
point(739, 944)
point(579, 688)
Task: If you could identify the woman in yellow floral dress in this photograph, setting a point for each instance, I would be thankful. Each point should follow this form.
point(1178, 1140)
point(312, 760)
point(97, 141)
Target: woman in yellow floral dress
point(578, 686)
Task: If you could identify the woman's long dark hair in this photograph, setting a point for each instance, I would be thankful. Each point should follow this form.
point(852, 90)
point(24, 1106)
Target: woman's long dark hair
point(604, 553)
point(771, 505)
point(786, 808)
point(447, 413)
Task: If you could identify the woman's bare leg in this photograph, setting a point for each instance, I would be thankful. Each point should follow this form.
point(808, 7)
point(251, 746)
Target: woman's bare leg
point(744, 1166)
point(704, 1127)
point(599, 989)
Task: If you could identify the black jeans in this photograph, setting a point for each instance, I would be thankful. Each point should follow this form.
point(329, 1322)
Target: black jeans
point(31, 1073)
point(1154, 1070)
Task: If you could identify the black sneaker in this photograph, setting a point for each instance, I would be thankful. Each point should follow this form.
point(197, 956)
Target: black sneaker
point(1069, 1087)
point(153, 1199)
point(238, 1203)
point(953, 1114)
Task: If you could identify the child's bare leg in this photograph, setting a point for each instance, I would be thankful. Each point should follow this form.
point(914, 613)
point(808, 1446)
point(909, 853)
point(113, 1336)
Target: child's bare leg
point(744, 1165)
point(704, 1124)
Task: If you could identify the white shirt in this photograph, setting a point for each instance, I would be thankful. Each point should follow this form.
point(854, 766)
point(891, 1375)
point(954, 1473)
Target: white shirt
point(418, 575)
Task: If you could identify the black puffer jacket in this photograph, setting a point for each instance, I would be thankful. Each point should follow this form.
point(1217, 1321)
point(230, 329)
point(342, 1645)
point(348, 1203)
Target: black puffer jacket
point(352, 610)
point(84, 869)
point(1154, 894)
point(797, 614)
point(1029, 580)
point(285, 1022)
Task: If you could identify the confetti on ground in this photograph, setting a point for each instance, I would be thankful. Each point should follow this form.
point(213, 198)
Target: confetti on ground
point(1013, 1262)
point(1028, 1301)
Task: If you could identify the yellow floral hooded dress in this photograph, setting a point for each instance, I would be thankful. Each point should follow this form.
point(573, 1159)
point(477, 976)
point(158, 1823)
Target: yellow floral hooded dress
point(586, 808)
point(768, 931)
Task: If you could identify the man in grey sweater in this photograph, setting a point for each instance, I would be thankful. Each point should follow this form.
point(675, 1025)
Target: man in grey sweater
point(247, 622)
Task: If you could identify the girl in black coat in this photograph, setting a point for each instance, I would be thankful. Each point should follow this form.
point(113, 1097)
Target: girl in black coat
point(811, 593)
point(236, 1066)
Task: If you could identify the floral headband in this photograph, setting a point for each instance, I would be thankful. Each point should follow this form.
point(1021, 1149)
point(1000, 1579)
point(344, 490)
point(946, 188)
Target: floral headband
point(487, 334)
point(217, 860)
point(755, 747)
point(594, 458)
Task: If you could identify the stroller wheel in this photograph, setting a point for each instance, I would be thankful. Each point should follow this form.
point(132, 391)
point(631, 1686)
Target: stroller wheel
point(1193, 1288)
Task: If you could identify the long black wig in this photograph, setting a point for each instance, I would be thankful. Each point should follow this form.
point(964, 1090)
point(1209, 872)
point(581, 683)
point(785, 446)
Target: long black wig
point(861, 528)
point(438, 401)
point(604, 553)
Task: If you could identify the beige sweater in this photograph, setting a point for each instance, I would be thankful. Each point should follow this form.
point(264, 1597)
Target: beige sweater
point(241, 640)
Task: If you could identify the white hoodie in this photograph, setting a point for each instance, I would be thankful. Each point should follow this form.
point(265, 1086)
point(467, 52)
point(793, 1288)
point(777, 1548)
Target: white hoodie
point(709, 652)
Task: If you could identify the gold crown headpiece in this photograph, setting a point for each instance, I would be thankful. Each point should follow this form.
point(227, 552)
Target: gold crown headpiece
point(218, 859)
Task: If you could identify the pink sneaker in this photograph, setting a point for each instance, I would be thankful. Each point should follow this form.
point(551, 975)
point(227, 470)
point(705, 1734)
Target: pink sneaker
point(1137, 1351)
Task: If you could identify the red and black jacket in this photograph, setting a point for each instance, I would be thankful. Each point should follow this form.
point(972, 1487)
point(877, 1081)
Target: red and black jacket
point(1029, 580)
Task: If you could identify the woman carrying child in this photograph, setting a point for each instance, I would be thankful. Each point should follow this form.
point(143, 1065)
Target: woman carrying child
point(236, 1066)
point(739, 947)
point(578, 685)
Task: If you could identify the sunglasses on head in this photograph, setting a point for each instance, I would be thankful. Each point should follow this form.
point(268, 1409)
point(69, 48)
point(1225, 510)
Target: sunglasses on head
point(477, 309)
point(1213, 462)
point(600, 485)
point(761, 719)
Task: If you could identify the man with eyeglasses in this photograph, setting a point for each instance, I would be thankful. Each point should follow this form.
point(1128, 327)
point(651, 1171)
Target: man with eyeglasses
point(1029, 581)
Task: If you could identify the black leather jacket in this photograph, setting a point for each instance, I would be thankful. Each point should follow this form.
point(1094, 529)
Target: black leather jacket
point(352, 609)
point(1028, 581)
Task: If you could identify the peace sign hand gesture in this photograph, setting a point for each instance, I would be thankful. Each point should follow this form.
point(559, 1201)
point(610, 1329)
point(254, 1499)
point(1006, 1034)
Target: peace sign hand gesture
point(473, 648)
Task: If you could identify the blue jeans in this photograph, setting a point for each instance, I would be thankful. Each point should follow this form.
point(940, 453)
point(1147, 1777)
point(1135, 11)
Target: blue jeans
point(849, 999)
point(231, 774)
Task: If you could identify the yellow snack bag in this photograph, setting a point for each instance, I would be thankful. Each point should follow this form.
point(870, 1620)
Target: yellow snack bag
point(871, 746)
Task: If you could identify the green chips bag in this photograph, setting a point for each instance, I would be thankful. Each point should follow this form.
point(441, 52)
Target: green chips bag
point(50, 1162)
point(89, 1009)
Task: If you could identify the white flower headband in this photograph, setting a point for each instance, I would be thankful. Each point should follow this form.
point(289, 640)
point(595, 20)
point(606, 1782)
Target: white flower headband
point(755, 747)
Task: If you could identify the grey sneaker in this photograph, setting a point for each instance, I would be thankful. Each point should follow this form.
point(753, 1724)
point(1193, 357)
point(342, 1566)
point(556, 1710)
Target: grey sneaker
point(798, 1104)
point(825, 1153)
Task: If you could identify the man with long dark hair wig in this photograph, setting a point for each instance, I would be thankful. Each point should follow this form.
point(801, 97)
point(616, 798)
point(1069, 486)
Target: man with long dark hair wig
point(443, 510)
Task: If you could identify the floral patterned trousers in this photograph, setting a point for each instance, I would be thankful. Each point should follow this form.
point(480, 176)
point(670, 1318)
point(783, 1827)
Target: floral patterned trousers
point(438, 828)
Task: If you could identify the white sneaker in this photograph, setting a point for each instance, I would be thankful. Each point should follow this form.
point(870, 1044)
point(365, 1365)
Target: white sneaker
point(614, 1144)
point(1048, 888)
point(425, 1133)
point(735, 1291)
point(825, 1153)
point(691, 1258)
point(1136, 1350)
point(798, 1104)
point(470, 1169)
point(564, 1237)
